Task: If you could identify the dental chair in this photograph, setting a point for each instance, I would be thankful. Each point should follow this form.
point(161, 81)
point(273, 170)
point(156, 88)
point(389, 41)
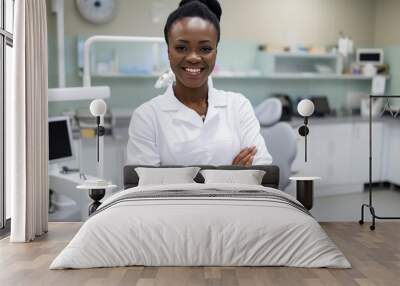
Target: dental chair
point(280, 137)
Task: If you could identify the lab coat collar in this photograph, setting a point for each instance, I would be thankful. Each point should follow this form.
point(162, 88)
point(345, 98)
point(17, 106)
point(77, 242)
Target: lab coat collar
point(171, 103)
point(181, 112)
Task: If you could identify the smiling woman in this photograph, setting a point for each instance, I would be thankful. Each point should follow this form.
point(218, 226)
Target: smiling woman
point(194, 123)
point(192, 55)
point(193, 51)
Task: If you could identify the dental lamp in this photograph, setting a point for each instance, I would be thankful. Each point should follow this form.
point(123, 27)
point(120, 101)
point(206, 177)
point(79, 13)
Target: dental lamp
point(98, 108)
point(305, 108)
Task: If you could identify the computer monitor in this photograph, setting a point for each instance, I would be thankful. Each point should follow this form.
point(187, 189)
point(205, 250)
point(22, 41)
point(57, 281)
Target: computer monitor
point(60, 140)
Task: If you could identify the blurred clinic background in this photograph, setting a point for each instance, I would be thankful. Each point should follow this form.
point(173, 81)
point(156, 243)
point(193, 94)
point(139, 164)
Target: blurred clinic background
point(334, 52)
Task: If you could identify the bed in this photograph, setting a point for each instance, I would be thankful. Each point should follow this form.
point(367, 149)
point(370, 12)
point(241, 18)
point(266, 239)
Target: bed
point(199, 224)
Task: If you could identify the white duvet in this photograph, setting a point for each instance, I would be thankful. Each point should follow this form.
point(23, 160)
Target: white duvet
point(200, 231)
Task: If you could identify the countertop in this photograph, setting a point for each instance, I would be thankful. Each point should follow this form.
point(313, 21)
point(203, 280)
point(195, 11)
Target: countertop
point(120, 130)
point(297, 121)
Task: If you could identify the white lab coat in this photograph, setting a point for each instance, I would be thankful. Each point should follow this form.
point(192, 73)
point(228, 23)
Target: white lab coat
point(164, 131)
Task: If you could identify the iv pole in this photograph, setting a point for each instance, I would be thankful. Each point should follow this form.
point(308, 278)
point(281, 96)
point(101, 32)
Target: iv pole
point(370, 206)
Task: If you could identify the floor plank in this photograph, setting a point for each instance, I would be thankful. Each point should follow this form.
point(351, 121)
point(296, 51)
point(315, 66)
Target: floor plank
point(375, 257)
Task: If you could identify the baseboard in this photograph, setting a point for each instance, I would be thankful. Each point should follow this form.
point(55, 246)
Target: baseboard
point(5, 231)
point(382, 185)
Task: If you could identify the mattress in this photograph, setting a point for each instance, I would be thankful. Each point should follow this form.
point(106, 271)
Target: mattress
point(201, 225)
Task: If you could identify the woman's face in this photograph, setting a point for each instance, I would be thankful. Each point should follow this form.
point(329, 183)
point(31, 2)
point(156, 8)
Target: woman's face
point(192, 50)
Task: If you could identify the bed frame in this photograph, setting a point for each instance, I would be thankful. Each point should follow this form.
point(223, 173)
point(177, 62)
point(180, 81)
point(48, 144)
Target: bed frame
point(270, 179)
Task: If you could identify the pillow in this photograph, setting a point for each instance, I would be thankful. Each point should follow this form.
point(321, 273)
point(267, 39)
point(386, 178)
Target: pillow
point(248, 177)
point(165, 176)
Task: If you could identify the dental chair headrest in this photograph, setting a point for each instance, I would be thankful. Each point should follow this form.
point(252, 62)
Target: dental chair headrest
point(269, 111)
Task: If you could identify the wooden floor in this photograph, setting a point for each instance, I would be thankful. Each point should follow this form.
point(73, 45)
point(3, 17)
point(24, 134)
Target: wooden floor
point(375, 257)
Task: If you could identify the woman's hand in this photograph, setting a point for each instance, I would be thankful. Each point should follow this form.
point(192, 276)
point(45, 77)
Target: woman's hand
point(245, 157)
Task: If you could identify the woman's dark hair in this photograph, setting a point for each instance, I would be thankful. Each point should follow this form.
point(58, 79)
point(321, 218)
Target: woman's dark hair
point(209, 10)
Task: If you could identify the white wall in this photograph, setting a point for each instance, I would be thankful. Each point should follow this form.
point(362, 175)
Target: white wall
point(133, 18)
point(310, 21)
point(387, 23)
point(267, 21)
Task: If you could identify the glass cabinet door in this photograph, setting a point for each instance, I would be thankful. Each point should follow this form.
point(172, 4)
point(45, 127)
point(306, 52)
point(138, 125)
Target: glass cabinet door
point(2, 194)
